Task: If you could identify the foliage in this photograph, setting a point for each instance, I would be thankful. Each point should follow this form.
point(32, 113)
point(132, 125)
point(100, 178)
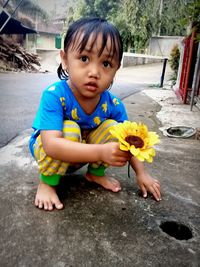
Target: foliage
point(137, 20)
point(96, 8)
point(193, 12)
point(174, 61)
point(173, 14)
point(125, 20)
point(193, 17)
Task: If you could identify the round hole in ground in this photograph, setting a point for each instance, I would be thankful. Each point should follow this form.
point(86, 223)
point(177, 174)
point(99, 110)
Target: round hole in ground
point(180, 132)
point(176, 230)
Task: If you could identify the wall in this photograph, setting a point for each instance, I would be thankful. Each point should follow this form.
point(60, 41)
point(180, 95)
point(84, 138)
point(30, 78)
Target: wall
point(133, 59)
point(162, 45)
point(46, 41)
point(159, 48)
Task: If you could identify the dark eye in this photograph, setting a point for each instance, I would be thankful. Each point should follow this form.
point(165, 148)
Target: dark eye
point(84, 58)
point(106, 64)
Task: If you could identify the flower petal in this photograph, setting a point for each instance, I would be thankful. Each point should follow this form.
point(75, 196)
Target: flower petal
point(124, 131)
point(124, 148)
point(134, 151)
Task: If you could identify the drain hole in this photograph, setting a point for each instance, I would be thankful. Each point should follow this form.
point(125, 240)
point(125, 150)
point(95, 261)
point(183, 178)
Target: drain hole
point(180, 132)
point(177, 230)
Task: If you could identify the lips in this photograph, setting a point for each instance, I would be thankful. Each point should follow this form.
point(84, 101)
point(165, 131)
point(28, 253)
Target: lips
point(91, 86)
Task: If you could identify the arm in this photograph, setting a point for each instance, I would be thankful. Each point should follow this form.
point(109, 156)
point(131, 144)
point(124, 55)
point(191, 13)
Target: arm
point(62, 149)
point(144, 180)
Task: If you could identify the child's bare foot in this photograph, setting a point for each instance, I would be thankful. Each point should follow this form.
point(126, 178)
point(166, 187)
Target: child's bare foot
point(106, 181)
point(46, 197)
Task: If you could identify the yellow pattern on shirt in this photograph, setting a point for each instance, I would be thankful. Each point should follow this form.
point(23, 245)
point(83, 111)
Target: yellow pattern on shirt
point(97, 120)
point(74, 114)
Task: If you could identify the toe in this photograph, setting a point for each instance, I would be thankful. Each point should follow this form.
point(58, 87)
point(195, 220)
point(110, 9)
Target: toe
point(58, 205)
point(50, 207)
point(46, 205)
point(40, 204)
point(36, 202)
point(117, 189)
point(117, 186)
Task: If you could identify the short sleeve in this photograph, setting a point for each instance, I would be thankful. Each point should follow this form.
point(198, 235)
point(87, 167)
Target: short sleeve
point(118, 111)
point(50, 113)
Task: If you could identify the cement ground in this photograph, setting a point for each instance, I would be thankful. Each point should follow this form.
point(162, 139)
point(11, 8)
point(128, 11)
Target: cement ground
point(99, 228)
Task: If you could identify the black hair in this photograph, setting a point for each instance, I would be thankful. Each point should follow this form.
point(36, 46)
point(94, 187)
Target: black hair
point(95, 26)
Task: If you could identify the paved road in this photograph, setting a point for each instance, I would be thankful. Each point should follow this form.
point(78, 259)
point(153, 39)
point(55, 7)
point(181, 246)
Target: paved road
point(100, 228)
point(20, 94)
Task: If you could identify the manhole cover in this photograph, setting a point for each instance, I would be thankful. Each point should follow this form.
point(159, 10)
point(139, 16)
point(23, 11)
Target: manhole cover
point(180, 132)
point(176, 230)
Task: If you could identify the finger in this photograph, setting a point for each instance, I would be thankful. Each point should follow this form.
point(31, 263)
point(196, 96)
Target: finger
point(156, 192)
point(144, 191)
point(123, 153)
point(157, 182)
point(119, 160)
point(157, 188)
point(118, 164)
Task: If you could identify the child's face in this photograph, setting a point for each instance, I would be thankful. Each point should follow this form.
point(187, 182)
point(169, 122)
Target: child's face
point(89, 73)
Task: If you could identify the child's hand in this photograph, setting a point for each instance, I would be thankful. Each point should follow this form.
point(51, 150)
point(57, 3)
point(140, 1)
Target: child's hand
point(147, 183)
point(112, 155)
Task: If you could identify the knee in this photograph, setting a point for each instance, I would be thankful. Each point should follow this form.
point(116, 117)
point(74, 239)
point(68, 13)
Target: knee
point(69, 123)
point(111, 121)
point(107, 125)
point(71, 131)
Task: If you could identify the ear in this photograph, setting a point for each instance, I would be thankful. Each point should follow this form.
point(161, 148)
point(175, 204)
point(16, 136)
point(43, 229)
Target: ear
point(63, 59)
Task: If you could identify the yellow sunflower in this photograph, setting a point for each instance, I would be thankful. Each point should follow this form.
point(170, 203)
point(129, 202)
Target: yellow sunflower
point(136, 138)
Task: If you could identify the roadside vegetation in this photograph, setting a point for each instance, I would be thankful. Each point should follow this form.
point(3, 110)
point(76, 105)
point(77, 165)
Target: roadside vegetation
point(137, 20)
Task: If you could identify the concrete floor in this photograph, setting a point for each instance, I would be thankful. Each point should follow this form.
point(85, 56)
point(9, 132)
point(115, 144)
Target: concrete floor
point(98, 227)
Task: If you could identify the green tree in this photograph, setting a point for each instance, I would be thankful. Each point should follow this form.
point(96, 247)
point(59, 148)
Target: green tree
point(173, 13)
point(137, 20)
point(125, 20)
point(192, 17)
point(174, 62)
point(96, 8)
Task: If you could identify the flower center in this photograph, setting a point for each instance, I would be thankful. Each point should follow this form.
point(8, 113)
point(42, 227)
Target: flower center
point(135, 140)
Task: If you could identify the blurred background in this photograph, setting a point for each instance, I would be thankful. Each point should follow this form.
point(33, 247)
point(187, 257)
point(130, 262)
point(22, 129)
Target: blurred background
point(32, 33)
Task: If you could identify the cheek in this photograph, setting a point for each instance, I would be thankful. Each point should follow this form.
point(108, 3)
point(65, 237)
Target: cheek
point(107, 79)
point(109, 74)
point(73, 68)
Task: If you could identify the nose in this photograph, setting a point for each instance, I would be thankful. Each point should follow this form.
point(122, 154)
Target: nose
point(93, 71)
